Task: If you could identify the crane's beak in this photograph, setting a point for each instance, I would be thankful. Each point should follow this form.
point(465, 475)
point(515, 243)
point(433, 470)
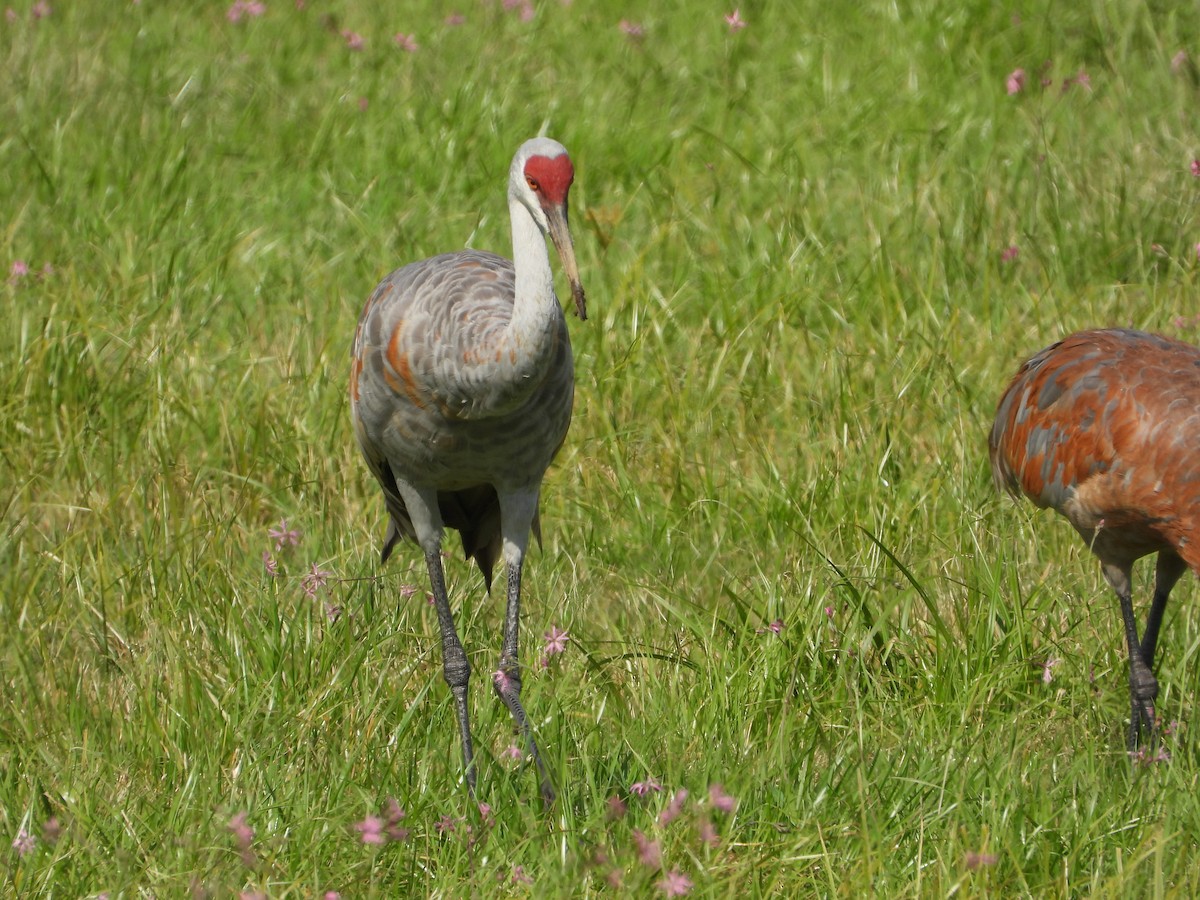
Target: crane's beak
point(560, 234)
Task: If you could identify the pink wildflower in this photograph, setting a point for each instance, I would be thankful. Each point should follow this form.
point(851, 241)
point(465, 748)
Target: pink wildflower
point(446, 825)
point(708, 834)
point(243, 834)
point(406, 42)
point(371, 830)
point(40, 10)
point(1015, 82)
point(978, 860)
point(616, 807)
point(774, 627)
point(24, 843)
point(735, 21)
point(269, 564)
point(314, 581)
point(328, 895)
point(675, 884)
point(19, 270)
point(455, 19)
point(1196, 168)
point(284, 536)
point(649, 852)
point(245, 9)
point(1047, 675)
point(674, 807)
point(512, 751)
point(631, 29)
point(354, 40)
point(1179, 61)
point(1198, 251)
point(51, 831)
point(519, 876)
point(501, 680)
point(485, 813)
point(721, 800)
point(1010, 253)
point(642, 788)
point(10, 14)
point(556, 640)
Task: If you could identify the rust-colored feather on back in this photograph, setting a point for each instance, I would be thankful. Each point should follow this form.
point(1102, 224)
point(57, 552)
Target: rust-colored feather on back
point(1104, 426)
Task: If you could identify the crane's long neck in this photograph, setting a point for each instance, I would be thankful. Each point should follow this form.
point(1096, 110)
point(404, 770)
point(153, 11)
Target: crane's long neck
point(535, 308)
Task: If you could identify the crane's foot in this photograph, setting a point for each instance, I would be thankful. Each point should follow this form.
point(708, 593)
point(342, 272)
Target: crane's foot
point(1143, 691)
point(507, 682)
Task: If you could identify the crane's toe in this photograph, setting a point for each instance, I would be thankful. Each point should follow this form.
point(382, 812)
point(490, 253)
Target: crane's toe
point(1143, 690)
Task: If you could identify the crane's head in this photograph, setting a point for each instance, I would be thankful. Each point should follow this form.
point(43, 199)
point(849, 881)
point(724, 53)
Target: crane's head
point(540, 179)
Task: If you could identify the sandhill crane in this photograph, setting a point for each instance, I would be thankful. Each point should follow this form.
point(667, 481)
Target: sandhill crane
point(1104, 427)
point(461, 389)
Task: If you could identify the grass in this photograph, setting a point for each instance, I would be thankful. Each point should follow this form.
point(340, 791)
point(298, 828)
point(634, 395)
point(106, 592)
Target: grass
point(793, 240)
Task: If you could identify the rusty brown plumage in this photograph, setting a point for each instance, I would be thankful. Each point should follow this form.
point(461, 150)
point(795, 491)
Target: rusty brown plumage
point(1104, 428)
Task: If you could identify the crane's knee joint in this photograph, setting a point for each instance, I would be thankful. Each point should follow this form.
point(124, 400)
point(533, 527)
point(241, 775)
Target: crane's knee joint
point(457, 672)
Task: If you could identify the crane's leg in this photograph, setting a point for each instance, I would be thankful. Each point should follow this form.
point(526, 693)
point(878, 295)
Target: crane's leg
point(421, 505)
point(517, 512)
point(455, 668)
point(1167, 572)
point(1143, 686)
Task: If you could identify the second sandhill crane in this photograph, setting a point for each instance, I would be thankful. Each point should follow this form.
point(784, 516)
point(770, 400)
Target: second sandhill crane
point(1104, 428)
point(461, 389)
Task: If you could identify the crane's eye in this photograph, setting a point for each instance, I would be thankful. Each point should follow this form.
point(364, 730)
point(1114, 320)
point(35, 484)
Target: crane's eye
point(533, 185)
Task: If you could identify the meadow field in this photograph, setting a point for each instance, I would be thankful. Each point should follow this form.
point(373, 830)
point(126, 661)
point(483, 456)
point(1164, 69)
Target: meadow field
point(810, 650)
